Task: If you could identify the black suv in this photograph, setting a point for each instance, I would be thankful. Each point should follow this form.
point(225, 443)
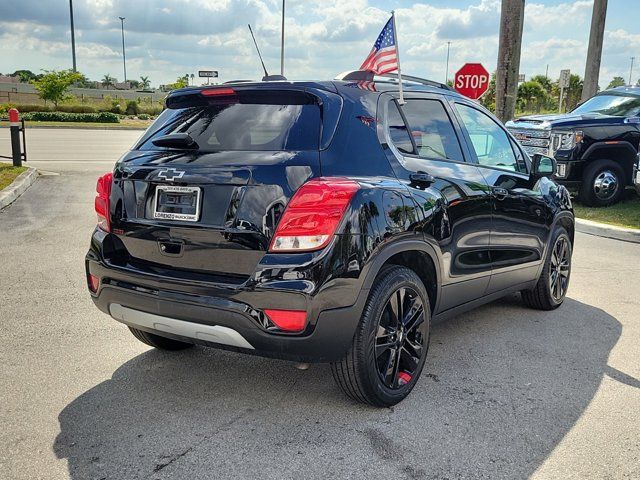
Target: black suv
point(325, 222)
point(596, 145)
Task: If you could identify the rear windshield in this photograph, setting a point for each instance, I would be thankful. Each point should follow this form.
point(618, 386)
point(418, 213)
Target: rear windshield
point(242, 126)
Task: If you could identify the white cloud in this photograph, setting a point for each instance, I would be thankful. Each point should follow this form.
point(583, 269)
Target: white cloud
point(166, 38)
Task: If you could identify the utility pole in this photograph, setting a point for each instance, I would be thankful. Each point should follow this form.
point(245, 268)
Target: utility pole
point(73, 36)
point(446, 75)
point(631, 70)
point(282, 43)
point(511, 23)
point(124, 58)
point(594, 52)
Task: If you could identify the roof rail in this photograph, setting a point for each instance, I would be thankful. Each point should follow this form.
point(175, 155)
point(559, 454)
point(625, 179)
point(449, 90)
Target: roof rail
point(366, 75)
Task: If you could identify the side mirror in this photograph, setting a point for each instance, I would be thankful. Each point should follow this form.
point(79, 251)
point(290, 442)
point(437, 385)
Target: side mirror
point(543, 166)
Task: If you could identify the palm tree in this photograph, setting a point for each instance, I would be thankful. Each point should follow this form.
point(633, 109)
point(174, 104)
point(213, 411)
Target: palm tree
point(108, 81)
point(145, 82)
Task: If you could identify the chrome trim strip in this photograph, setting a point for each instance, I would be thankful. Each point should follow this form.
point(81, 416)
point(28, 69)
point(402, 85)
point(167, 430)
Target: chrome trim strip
point(209, 333)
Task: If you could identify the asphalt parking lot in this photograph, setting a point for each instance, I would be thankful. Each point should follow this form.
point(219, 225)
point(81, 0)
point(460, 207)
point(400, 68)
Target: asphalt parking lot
point(507, 392)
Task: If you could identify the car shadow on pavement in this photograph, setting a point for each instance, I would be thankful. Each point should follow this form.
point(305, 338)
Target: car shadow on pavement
point(502, 386)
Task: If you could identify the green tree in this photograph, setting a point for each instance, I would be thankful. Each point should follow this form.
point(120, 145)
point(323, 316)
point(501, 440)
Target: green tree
point(573, 93)
point(616, 82)
point(181, 82)
point(108, 81)
point(145, 82)
point(53, 85)
point(545, 81)
point(25, 75)
point(532, 96)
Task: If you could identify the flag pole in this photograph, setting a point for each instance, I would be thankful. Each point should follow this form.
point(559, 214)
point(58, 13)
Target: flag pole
point(395, 33)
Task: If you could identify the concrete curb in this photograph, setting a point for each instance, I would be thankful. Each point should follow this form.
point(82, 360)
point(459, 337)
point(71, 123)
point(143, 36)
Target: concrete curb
point(608, 231)
point(17, 187)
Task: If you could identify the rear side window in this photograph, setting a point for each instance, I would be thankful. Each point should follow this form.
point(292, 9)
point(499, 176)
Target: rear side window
point(398, 130)
point(432, 130)
point(244, 126)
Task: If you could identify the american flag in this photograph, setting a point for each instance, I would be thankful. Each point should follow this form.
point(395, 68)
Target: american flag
point(384, 54)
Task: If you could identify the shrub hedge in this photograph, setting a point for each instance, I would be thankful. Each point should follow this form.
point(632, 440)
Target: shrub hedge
point(103, 117)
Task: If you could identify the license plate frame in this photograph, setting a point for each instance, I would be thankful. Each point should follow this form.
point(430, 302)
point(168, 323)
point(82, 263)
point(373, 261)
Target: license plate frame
point(182, 217)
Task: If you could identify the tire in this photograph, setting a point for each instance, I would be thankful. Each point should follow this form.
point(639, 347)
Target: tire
point(379, 345)
point(161, 343)
point(548, 294)
point(603, 184)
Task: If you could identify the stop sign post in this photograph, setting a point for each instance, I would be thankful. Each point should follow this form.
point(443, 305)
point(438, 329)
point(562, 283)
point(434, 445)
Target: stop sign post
point(472, 80)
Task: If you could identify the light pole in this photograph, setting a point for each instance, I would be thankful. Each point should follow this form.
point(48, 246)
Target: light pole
point(631, 70)
point(446, 75)
point(282, 43)
point(124, 58)
point(73, 36)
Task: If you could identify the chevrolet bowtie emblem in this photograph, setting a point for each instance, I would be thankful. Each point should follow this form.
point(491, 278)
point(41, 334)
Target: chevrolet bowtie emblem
point(170, 174)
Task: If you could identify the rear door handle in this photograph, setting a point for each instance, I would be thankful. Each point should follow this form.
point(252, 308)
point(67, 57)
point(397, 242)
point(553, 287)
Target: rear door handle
point(421, 179)
point(500, 193)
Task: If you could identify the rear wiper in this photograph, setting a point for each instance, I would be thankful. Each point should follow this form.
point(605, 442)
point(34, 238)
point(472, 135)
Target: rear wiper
point(175, 140)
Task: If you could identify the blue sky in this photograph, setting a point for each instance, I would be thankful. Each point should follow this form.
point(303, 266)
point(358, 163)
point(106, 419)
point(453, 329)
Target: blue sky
point(167, 38)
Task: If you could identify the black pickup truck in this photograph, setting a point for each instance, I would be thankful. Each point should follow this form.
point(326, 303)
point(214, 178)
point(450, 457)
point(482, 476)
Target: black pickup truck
point(595, 145)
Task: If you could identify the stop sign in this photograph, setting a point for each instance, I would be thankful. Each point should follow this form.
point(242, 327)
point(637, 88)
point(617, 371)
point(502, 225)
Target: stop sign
point(472, 80)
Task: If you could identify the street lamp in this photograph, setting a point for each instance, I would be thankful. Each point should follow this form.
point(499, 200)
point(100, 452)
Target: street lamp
point(282, 43)
point(446, 75)
point(124, 58)
point(73, 36)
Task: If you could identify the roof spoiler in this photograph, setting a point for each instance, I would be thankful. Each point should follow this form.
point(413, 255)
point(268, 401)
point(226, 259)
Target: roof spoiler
point(369, 76)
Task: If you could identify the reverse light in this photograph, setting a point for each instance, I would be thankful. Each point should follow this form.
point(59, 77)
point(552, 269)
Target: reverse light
point(313, 214)
point(288, 320)
point(101, 203)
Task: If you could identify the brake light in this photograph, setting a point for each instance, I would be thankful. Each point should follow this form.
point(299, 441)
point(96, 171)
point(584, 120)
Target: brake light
point(313, 214)
point(218, 92)
point(288, 320)
point(103, 189)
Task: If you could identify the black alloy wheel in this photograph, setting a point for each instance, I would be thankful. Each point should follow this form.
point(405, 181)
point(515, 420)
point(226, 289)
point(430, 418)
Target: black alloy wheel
point(552, 286)
point(400, 338)
point(560, 268)
point(389, 348)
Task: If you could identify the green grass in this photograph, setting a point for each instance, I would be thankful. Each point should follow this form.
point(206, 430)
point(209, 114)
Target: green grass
point(125, 124)
point(8, 174)
point(623, 214)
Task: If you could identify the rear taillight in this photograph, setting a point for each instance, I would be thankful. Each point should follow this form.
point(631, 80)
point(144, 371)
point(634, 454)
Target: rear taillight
point(103, 189)
point(313, 214)
point(94, 282)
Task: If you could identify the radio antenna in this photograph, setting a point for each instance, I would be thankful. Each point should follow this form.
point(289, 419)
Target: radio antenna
point(259, 54)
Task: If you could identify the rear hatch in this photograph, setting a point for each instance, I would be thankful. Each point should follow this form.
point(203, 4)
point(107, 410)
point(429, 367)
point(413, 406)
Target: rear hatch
point(203, 190)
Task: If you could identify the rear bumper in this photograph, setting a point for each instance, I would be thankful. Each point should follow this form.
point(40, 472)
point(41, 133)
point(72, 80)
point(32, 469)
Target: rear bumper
point(223, 316)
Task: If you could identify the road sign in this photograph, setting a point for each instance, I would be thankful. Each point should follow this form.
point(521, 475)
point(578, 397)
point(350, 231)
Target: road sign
point(472, 80)
point(521, 78)
point(565, 75)
point(208, 73)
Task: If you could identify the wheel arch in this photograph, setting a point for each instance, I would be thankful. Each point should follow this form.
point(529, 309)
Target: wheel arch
point(620, 152)
point(417, 255)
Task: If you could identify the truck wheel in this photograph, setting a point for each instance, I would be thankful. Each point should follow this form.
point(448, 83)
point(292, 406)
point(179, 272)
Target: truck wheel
point(161, 343)
point(551, 289)
point(390, 345)
point(603, 184)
